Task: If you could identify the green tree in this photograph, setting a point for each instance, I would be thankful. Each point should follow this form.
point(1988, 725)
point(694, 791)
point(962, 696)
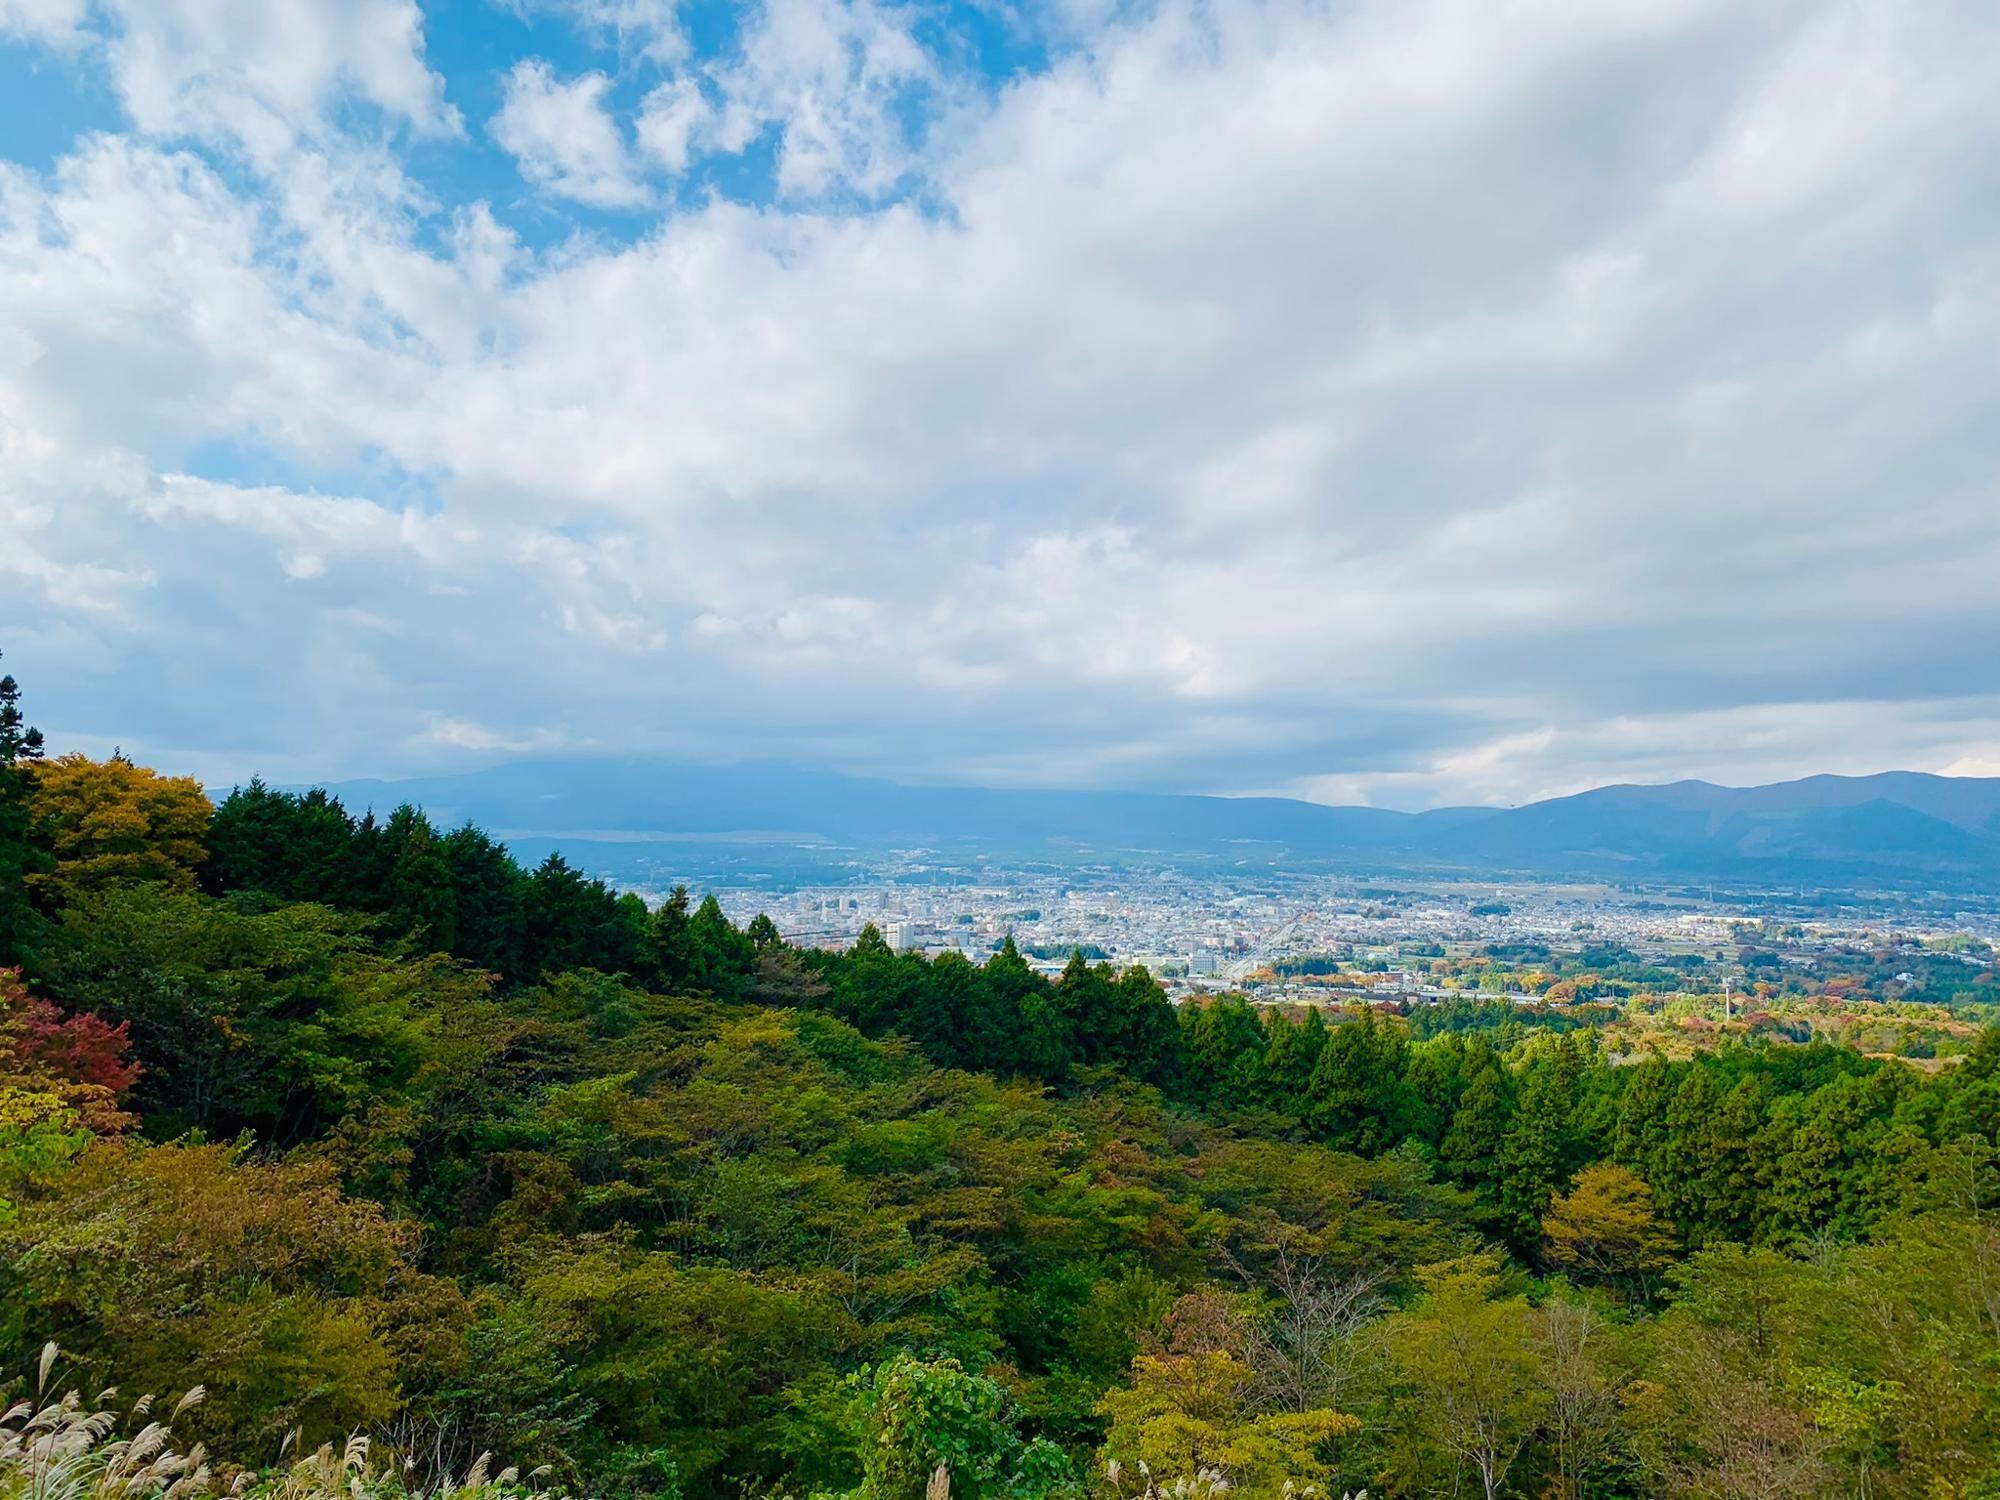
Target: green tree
point(671, 956)
point(300, 1306)
point(1679, 1174)
point(725, 959)
point(1465, 1354)
point(283, 1021)
point(20, 750)
point(1086, 997)
point(297, 847)
point(1359, 1100)
point(1639, 1133)
point(1148, 1033)
point(421, 900)
point(919, 1415)
point(1290, 1057)
point(1470, 1150)
point(1435, 1073)
point(1533, 1151)
point(1225, 1045)
point(488, 901)
point(19, 740)
point(575, 922)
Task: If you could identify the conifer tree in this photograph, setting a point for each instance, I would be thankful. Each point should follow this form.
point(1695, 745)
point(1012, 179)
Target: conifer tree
point(670, 943)
point(1359, 1099)
point(1290, 1056)
point(724, 957)
point(1680, 1168)
point(19, 740)
point(20, 747)
point(1470, 1151)
point(1148, 1037)
point(421, 900)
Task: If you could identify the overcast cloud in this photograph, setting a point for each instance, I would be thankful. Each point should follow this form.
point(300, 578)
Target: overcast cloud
point(1406, 401)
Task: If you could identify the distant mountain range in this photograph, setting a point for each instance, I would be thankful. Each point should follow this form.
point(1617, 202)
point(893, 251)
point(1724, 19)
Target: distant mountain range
point(630, 817)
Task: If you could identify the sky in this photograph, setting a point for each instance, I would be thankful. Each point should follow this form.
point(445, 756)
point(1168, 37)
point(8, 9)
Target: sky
point(1410, 402)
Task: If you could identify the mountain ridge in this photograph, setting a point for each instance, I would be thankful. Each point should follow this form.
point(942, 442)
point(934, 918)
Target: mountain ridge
point(1890, 824)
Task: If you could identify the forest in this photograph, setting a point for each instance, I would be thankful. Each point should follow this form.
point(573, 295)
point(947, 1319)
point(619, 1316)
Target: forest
point(368, 1131)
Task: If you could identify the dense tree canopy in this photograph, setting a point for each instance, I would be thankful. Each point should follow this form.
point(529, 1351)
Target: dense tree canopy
point(364, 1126)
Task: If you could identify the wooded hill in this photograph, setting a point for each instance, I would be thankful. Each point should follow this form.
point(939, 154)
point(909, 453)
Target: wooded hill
point(366, 1128)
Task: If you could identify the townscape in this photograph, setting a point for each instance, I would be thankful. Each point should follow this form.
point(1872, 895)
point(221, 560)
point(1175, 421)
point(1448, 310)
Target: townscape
point(1315, 939)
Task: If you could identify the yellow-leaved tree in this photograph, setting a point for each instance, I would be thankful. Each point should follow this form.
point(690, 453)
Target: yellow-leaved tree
point(110, 820)
point(1603, 1230)
point(1196, 1406)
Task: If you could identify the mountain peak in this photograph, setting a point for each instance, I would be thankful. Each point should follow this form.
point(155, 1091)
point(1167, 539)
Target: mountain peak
point(1824, 827)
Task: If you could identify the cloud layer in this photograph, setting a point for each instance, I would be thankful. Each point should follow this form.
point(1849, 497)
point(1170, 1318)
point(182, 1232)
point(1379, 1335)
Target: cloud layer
point(1412, 402)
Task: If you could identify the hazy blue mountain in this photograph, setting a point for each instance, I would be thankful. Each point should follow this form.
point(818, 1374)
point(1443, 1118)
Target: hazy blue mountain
point(1896, 821)
point(660, 813)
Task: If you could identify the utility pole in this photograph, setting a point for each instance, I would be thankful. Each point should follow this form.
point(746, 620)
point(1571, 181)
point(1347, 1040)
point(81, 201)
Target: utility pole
point(1726, 983)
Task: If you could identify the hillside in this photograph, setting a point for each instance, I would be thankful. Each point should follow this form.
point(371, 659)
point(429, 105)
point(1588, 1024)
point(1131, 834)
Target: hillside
point(367, 1128)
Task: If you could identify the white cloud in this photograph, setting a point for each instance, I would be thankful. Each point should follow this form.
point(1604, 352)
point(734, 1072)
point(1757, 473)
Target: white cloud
point(308, 529)
point(830, 76)
point(650, 28)
point(263, 73)
point(56, 22)
point(668, 122)
point(565, 139)
point(1419, 401)
point(445, 732)
point(1743, 746)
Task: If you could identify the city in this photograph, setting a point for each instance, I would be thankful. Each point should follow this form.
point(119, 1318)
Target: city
point(1201, 934)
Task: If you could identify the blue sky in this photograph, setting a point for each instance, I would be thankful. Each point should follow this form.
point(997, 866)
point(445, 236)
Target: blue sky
point(1405, 401)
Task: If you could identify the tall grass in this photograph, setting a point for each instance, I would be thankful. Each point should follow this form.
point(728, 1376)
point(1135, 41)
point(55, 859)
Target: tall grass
point(59, 1448)
point(63, 1448)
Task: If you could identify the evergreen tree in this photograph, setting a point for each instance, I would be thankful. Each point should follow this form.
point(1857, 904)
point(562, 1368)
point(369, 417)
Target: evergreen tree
point(1291, 1053)
point(1538, 1149)
point(422, 902)
point(670, 948)
point(1148, 1033)
point(574, 922)
point(1435, 1073)
point(1680, 1168)
point(1734, 1184)
point(1085, 997)
point(488, 891)
point(724, 957)
point(1639, 1133)
point(295, 847)
point(20, 748)
point(19, 740)
point(1041, 1045)
point(1359, 1100)
point(370, 859)
point(1035, 1031)
point(1470, 1150)
point(1225, 1045)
